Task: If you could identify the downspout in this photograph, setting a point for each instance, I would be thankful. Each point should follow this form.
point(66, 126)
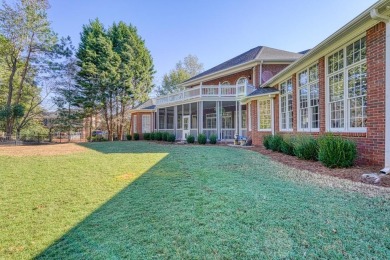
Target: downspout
point(382, 18)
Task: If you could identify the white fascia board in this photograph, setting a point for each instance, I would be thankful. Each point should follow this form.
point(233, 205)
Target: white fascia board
point(351, 30)
point(254, 97)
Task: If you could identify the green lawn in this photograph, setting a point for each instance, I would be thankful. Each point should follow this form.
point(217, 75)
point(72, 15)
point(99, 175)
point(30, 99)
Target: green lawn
point(142, 200)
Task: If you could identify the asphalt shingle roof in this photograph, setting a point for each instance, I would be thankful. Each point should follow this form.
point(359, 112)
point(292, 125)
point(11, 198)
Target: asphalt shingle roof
point(258, 53)
point(262, 91)
point(242, 58)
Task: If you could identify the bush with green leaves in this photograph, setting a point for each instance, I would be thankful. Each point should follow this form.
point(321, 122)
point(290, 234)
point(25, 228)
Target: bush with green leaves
point(165, 136)
point(306, 147)
point(267, 139)
point(153, 136)
point(146, 136)
point(335, 151)
point(171, 138)
point(190, 139)
point(213, 139)
point(98, 138)
point(287, 146)
point(158, 136)
point(276, 143)
point(202, 139)
point(136, 136)
point(128, 137)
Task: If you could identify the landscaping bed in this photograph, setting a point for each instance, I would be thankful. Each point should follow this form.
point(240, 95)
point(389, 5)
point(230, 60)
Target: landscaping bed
point(353, 173)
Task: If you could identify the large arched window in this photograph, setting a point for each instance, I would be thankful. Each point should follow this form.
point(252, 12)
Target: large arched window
point(241, 81)
point(225, 83)
point(240, 84)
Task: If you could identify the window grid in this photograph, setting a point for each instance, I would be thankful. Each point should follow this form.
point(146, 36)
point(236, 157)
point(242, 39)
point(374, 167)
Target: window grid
point(308, 98)
point(347, 87)
point(264, 112)
point(145, 123)
point(286, 105)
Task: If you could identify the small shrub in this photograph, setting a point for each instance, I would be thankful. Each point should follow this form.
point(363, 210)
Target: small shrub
point(202, 139)
point(158, 136)
point(171, 138)
point(213, 139)
point(276, 143)
point(267, 141)
point(306, 147)
point(98, 138)
point(136, 136)
point(287, 145)
point(128, 137)
point(146, 136)
point(336, 151)
point(190, 139)
point(165, 136)
point(153, 136)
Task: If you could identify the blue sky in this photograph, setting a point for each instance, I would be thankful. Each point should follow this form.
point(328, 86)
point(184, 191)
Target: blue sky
point(213, 30)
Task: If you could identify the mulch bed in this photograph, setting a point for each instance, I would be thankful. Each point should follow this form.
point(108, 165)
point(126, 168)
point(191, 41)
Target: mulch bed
point(353, 173)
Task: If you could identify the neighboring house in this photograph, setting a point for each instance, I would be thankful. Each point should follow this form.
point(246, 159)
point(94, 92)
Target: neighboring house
point(340, 86)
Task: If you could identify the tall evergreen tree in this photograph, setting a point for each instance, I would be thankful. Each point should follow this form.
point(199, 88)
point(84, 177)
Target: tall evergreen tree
point(135, 70)
point(98, 73)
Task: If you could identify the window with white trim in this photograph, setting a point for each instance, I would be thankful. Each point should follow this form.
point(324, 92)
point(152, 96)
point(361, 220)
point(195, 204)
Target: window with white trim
point(135, 124)
point(347, 87)
point(225, 83)
point(264, 115)
point(308, 98)
point(286, 107)
point(146, 124)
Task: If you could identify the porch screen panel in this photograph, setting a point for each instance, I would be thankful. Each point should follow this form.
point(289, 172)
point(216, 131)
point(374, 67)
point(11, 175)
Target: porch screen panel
point(161, 118)
point(170, 117)
point(209, 115)
point(179, 116)
point(194, 116)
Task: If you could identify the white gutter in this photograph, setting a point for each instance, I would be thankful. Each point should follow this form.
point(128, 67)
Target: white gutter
point(382, 18)
point(230, 70)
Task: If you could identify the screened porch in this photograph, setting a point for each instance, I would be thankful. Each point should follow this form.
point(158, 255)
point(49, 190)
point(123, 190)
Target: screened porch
point(222, 118)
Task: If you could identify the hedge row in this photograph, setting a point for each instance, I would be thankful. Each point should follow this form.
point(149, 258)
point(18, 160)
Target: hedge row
point(202, 139)
point(332, 151)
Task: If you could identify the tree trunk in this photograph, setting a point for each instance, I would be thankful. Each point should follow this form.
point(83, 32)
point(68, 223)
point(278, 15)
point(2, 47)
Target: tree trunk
point(9, 125)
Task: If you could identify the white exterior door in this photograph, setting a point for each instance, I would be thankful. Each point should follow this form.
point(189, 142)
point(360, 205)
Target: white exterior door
point(186, 127)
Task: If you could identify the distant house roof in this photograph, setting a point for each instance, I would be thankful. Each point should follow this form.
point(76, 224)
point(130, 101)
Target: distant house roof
point(262, 91)
point(304, 52)
point(148, 105)
point(258, 53)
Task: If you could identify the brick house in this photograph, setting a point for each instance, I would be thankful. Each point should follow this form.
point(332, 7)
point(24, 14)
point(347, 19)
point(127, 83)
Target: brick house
point(211, 102)
point(340, 86)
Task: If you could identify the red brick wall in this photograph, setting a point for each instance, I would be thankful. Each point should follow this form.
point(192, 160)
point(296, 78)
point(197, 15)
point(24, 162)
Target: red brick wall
point(232, 78)
point(270, 70)
point(139, 123)
point(371, 145)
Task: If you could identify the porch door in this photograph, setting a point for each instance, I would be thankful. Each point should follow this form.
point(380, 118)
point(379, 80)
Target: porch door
point(186, 126)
